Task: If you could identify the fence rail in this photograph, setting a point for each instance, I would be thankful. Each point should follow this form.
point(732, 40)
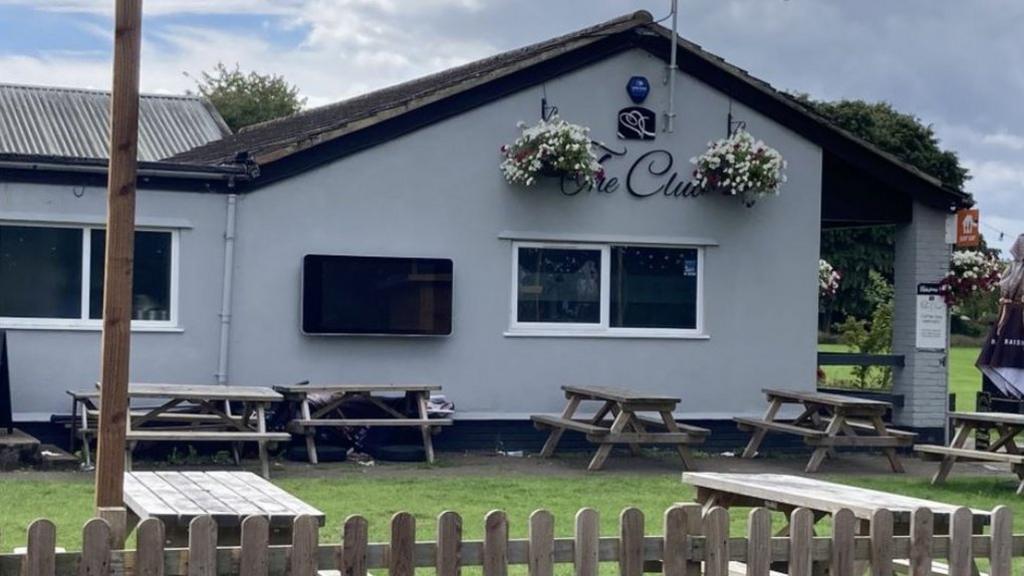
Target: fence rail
point(691, 543)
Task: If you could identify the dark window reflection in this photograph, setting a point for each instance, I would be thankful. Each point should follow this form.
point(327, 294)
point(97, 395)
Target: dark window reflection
point(653, 287)
point(40, 272)
point(559, 285)
point(151, 284)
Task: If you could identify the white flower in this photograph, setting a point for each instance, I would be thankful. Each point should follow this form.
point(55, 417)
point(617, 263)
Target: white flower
point(739, 164)
point(568, 144)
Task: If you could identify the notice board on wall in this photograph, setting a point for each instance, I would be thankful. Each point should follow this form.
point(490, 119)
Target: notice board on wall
point(931, 318)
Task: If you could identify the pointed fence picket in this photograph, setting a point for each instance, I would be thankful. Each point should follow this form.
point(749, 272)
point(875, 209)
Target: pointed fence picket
point(692, 542)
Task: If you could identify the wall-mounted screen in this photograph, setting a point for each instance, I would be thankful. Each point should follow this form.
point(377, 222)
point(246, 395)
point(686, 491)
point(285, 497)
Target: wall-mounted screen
point(374, 295)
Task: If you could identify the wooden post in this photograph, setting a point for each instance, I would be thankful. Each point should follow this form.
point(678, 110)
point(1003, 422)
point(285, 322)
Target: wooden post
point(117, 277)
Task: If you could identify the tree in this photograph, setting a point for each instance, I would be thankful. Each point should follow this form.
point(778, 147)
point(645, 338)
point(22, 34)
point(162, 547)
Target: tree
point(900, 134)
point(857, 251)
point(244, 99)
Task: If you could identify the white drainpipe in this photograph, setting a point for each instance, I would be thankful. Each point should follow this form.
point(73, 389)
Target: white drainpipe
point(225, 301)
point(670, 115)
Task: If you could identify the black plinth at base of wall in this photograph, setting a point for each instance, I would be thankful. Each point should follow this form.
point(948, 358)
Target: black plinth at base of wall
point(497, 435)
point(512, 435)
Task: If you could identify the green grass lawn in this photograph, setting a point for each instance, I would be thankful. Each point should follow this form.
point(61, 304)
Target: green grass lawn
point(964, 378)
point(68, 500)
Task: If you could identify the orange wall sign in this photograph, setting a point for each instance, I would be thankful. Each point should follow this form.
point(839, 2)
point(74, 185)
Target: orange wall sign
point(968, 228)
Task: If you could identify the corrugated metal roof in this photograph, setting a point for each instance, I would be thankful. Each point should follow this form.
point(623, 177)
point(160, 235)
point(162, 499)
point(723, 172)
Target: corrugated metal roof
point(41, 120)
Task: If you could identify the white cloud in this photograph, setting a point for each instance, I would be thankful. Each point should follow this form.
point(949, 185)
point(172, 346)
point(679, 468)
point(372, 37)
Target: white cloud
point(167, 7)
point(347, 46)
point(1005, 140)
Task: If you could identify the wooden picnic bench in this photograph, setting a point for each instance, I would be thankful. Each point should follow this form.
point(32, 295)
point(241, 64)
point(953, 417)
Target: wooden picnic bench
point(212, 403)
point(828, 421)
point(308, 420)
point(1004, 450)
point(786, 493)
point(626, 427)
point(229, 497)
point(85, 412)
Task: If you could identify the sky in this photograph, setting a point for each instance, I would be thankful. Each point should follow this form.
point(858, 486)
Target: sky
point(958, 65)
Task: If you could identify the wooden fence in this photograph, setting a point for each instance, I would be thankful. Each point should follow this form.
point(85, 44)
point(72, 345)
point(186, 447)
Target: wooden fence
point(691, 543)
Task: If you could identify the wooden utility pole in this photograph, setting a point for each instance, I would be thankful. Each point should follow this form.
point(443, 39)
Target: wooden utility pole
point(117, 276)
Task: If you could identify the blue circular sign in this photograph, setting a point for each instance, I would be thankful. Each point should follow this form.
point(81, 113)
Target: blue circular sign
point(638, 88)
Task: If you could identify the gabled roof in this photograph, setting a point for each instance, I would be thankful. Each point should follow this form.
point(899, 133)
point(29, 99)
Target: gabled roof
point(275, 139)
point(292, 144)
point(73, 123)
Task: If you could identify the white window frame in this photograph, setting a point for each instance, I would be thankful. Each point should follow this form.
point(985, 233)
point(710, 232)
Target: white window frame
point(83, 322)
point(603, 327)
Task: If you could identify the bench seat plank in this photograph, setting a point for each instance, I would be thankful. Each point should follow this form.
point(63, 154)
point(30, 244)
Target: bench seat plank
point(544, 421)
point(862, 441)
point(749, 423)
point(317, 422)
point(644, 438)
point(989, 417)
point(206, 436)
point(966, 454)
point(861, 426)
point(688, 428)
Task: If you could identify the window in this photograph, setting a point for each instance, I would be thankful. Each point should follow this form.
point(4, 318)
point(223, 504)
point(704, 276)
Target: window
point(559, 286)
point(52, 276)
point(607, 290)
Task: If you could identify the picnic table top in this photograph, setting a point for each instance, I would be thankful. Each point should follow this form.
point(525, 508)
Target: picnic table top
point(83, 394)
point(990, 417)
point(622, 395)
point(818, 495)
point(203, 392)
point(305, 388)
point(825, 398)
point(228, 496)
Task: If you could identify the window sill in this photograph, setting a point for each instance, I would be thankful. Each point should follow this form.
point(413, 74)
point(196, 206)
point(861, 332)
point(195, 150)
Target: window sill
point(78, 327)
point(648, 334)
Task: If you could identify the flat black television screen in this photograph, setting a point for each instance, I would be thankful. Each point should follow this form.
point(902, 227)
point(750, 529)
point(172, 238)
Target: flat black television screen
point(374, 295)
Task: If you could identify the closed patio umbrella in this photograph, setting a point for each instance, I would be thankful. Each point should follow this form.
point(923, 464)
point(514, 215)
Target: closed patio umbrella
point(1002, 357)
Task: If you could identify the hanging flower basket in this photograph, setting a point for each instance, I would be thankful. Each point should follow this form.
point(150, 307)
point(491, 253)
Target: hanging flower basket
point(552, 148)
point(970, 272)
point(740, 166)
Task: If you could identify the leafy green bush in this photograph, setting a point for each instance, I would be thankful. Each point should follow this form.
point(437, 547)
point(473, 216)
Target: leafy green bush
point(874, 337)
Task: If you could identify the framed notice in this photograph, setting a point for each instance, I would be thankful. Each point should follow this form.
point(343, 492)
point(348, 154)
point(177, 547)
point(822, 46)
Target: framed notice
point(932, 316)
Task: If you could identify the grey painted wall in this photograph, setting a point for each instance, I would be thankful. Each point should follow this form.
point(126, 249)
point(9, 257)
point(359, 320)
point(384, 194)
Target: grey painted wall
point(438, 192)
point(44, 363)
